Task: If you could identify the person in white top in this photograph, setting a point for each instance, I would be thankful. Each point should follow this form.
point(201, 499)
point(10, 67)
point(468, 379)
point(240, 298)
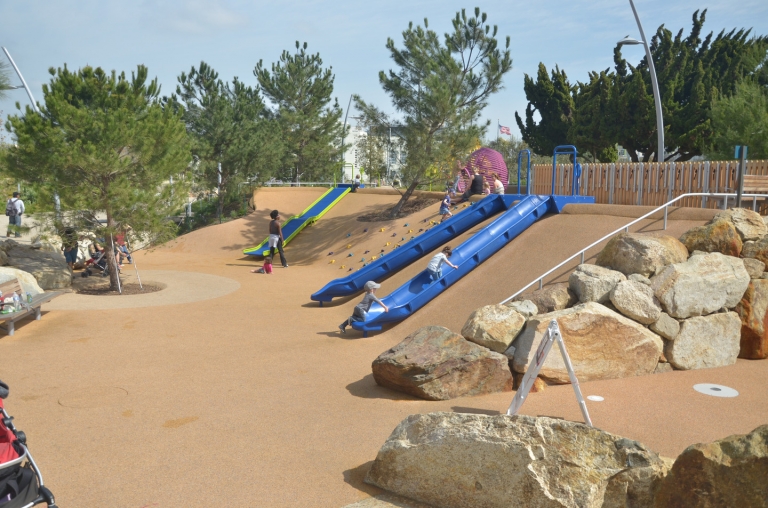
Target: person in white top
point(498, 186)
point(14, 208)
point(435, 266)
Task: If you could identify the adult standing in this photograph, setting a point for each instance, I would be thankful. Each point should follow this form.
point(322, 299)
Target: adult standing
point(498, 187)
point(14, 209)
point(69, 246)
point(276, 237)
point(476, 187)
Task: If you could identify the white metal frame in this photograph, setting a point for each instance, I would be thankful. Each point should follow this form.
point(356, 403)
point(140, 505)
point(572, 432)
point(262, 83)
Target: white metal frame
point(551, 336)
point(625, 229)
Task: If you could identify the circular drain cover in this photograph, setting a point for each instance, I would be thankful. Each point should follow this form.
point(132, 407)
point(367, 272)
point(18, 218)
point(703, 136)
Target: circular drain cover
point(93, 397)
point(715, 390)
point(595, 398)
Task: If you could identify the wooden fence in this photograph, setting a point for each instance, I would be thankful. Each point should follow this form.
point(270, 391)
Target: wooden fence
point(651, 184)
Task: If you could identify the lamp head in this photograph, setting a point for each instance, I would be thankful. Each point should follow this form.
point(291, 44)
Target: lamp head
point(629, 41)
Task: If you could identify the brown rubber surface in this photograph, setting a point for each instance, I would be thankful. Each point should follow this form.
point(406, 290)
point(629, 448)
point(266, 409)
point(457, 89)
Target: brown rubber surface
point(254, 399)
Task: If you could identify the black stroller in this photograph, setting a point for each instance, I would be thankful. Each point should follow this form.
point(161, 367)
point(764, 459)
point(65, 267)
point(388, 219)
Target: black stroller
point(21, 484)
point(97, 263)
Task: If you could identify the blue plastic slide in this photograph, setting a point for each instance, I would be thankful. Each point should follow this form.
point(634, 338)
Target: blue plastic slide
point(417, 292)
point(295, 224)
point(416, 248)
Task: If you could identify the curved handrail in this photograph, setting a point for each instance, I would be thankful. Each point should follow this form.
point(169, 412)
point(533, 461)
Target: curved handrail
point(565, 150)
point(625, 228)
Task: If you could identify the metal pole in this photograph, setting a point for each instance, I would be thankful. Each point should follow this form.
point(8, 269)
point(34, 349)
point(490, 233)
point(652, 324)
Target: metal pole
point(343, 135)
point(218, 175)
point(655, 84)
point(742, 171)
point(56, 200)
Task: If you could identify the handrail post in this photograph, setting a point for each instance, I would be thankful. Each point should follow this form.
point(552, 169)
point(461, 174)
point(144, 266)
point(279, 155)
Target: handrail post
point(665, 217)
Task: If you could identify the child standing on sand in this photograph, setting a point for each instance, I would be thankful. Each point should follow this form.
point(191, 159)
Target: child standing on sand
point(267, 268)
point(435, 264)
point(445, 207)
point(360, 312)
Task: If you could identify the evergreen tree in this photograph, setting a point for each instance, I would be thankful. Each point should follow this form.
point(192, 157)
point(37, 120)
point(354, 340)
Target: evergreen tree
point(300, 89)
point(552, 99)
point(229, 126)
point(372, 152)
point(106, 145)
point(440, 88)
point(5, 79)
point(741, 119)
point(592, 130)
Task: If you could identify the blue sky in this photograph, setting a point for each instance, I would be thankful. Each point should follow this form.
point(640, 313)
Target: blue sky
point(233, 35)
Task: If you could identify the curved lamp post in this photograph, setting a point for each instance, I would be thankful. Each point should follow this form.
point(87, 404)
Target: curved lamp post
point(56, 200)
point(343, 135)
point(629, 41)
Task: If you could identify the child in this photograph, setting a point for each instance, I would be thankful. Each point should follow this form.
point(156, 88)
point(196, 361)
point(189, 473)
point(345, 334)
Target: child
point(435, 265)
point(267, 268)
point(360, 312)
point(445, 207)
point(486, 188)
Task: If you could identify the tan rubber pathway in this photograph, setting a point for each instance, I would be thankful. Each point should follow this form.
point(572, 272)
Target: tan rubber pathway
point(252, 398)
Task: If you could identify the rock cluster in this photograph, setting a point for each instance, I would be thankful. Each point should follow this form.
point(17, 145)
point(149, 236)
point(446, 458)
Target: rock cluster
point(456, 460)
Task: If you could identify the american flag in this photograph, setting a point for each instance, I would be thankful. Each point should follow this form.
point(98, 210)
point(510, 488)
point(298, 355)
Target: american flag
point(505, 130)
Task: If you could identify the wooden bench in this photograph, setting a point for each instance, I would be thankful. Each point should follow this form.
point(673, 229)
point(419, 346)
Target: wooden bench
point(13, 286)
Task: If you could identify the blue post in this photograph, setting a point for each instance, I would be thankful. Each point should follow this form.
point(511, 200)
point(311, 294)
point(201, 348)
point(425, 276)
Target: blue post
point(528, 178)
point(566, 150)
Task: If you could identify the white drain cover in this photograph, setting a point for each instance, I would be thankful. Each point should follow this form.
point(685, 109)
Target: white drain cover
point(715, 390)
point(595, 398)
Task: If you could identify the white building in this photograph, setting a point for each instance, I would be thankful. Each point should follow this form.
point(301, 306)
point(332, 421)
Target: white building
point(353, 159)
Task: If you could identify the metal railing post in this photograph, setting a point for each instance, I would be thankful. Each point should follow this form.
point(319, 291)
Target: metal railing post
point(665, 217)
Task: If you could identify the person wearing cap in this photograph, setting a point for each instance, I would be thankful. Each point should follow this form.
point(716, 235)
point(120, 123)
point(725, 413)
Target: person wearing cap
point(360, 312)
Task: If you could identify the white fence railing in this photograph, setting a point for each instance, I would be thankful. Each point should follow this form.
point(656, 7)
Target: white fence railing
point(724, 196)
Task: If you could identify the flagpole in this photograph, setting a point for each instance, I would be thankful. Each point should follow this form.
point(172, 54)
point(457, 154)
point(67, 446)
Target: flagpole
point(498, 123)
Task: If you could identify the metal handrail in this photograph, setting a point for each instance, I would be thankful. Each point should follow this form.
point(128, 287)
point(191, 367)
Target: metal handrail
point(625, 228)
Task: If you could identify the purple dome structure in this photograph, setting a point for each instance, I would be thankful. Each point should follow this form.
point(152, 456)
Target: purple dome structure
point(488, 161)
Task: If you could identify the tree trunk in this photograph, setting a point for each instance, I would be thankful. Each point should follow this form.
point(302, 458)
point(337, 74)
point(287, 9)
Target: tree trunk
point(404, 198)
point(109, 255)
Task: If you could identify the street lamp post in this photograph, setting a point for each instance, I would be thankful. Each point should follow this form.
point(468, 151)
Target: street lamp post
point(343, 135)
point(654, 82)
point(56, 200)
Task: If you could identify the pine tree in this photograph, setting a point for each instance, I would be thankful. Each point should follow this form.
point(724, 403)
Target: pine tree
point(440, 88)
point(300, 89)
point(741, 119)
point(229, 126)
point(106, 145)
point(552, 98)
point(5, 79)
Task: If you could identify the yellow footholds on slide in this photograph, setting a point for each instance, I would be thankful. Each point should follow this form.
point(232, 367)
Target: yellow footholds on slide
point(383, 229)
point(349, 246)
point(387, 245)
point(342, 267)
point(410, 231)
point(373, 258)
point(332, 261)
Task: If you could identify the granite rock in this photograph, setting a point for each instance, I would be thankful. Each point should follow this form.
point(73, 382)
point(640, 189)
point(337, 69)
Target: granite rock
point(705, 342)
point(640, 253)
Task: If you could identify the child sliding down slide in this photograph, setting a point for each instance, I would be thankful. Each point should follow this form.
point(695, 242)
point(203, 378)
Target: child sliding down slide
point(360, 313)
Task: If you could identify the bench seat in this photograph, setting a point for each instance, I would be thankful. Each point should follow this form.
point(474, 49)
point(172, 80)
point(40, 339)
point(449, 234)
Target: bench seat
point(13, 286)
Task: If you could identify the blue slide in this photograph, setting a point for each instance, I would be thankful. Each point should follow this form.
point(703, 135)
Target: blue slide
point(310, 215)
point(417, 292)
point(416, 248)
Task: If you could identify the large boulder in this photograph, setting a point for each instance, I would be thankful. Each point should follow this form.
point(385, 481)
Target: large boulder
point(752, 309)
point(704, 284)
point(592, 283)
point(28, 282)
point(638, 253)
point(456, 460)
point(748, 224)
point(601, 343)
point(717, 236)
point(434, 363)
point(493, 326)
point(636, 301)
point(757, 249)
point(49, 268)
point(705, 341)
point(731, 472)
point(551, 298)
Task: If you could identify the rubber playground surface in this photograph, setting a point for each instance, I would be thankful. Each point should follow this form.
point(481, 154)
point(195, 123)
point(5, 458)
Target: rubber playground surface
point(231, 388)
